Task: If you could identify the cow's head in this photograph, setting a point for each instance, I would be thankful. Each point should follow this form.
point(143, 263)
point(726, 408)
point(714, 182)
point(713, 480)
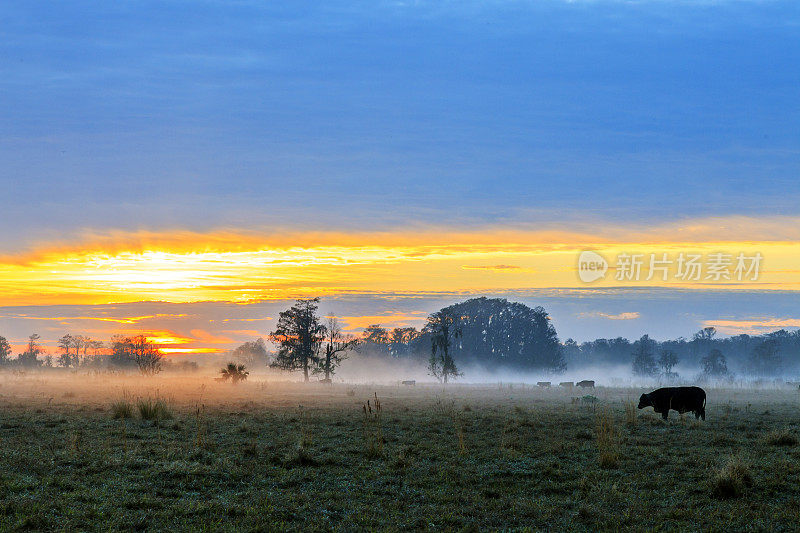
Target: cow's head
point(644, 401)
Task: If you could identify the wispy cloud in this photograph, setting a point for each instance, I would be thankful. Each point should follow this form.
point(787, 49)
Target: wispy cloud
point(610, 316)
point(752, 326)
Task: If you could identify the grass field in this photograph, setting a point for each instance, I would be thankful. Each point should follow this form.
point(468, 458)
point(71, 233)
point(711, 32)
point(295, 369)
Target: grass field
point(266, 456)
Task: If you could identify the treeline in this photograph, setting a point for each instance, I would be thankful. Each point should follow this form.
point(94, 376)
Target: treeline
point(79, 352)
point(758, 356)
point(492, 334)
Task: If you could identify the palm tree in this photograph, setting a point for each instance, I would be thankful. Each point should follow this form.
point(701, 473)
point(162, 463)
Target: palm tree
point(233, 372)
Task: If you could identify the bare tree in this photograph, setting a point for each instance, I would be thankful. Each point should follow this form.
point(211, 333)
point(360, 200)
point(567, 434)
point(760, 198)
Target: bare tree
point(336, 346)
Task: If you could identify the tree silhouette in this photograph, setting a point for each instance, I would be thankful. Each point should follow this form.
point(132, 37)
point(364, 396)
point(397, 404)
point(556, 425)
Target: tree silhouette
point(644, 364)
point(443, 329)
point(30, 357)
point(765, 359)
point(497, 333)
point(336, 346)
point(714, 364)
point(299, 336)
point(667, 361)
point(5, 350)
point(137, 352)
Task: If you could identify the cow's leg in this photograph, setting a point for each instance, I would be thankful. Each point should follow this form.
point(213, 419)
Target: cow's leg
point(696, 415)
point(665, 414)
point(703, 413)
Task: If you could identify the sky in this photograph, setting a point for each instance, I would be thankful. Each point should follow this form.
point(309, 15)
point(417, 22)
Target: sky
point(167, 166)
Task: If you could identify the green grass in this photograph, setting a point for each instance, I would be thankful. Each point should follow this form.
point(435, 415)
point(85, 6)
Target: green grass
point(248, 458)
point(121, 409)
point(153, 409)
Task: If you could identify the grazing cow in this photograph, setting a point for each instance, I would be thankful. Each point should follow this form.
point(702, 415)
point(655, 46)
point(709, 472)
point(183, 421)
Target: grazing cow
point(409, 382)
point(566, 384)
point(586, 384)
point(326, 381)
point(545, 384)
point(681, 399)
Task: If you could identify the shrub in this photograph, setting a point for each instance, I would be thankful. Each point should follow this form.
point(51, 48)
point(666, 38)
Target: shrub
point(150, 409)
point(121, 409)
point(732, 479)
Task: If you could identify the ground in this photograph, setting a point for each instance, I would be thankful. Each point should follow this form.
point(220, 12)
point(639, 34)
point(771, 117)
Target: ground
point(266, 455)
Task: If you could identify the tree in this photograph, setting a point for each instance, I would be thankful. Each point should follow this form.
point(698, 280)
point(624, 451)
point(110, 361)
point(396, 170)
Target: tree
point(765, 359)
point(5, 350)
point(233, 372)
point(667, 361)
point(65, 344)
point(299, 335)
point(496, 333)
point(336, 346)
point(136, 352)
point(400, 340)
point(252, 353)
point(443, 329)
point(30, 357)
point(375, 334)
point(644, 364)
point(375, 340)
point(714, 364)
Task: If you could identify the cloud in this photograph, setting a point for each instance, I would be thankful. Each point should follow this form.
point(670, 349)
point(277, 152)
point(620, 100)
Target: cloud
point(751, 326)
point(609, 316)
point(389, 320)
point(498, 268)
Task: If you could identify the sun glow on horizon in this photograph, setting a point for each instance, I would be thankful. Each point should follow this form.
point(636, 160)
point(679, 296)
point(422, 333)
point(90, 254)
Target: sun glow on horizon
point(246, 270)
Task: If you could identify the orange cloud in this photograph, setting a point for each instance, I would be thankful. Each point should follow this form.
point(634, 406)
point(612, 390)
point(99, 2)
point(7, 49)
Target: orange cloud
point(206, 337)
point(752, 326)
point(397, 320)
point(620, 316)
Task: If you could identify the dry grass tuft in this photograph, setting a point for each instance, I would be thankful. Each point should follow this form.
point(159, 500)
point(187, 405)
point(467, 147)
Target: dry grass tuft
point(121, 409)
point(631, 419)
point(608, 442)
point(732, 479)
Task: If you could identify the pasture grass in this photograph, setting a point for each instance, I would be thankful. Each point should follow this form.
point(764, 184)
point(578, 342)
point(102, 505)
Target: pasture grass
point(521, 458)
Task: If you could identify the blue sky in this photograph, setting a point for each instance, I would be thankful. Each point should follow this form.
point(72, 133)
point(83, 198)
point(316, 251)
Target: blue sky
point(144, 113)
point(269, 116)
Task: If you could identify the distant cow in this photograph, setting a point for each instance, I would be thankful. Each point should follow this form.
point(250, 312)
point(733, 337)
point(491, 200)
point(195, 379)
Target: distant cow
point(566, 384)
point(409, 382)
point(681, 399)
point(545, 384)
point(586, 384)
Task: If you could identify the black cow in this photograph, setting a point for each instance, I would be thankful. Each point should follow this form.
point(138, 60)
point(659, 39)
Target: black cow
point(586, 384)
point(681, 399)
